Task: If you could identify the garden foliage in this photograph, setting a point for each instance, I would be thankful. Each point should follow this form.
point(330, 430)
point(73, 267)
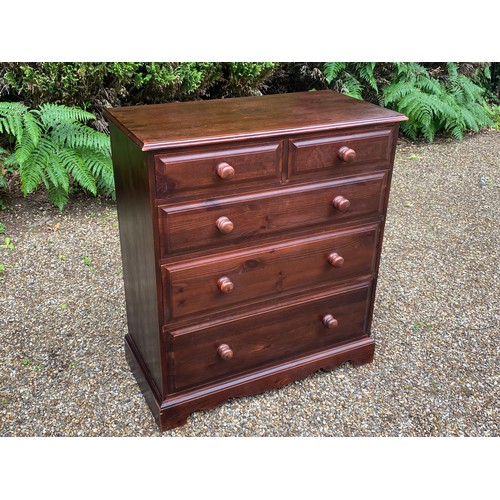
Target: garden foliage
point(53, 134)
point(53, 146)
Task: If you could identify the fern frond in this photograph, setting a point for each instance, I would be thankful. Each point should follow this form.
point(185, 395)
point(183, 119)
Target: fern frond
point(394, 92)
point(332, 70)
point(415, 69)
point(469, 119)
point(11, 118)
point(54, 147)
point(10, 160)
point(57, 173)
point(408, 128)
point(482, 114)
point(101, 167)
point(428, 85)
point(76, 167)
point(457, 133)
point(58, 196)
point(24, 148)
point(470, 91)
point(352, 87)
point(52, 114)
point(452, 69)
point(32, 127)
point(32, 174)
point(12, 108)
point(15, 126)
point(77, 135)
point(366, 73)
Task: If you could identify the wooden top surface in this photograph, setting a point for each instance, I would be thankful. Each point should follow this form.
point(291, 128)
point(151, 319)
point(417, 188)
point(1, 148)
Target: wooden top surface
point(158, 126)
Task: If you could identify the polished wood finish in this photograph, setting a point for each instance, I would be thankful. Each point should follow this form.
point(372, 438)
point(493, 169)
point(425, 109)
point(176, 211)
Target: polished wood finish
point(340, 203)
point(193, 172)
point(335, 259)
point(268, 338)
point(192, 226)
point(153, 127)
point(224, 225)
point(251, 231)
point(225, 171)
point(330, 322)
point(225, 284)
point(267, 272)
point(347, 154)
point(316, 156)
point(225, 352)
point(137, 242)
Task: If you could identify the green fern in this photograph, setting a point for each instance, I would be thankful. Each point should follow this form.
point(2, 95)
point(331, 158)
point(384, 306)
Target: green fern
point(351, 79)
point(54, 147)
point(452, 104)
point(332, 70)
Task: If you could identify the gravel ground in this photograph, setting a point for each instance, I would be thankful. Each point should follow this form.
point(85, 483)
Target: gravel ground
point(436, 320)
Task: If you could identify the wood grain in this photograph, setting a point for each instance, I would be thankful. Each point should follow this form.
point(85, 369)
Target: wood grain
point(192, 123)
point(318, 154)
point(197, 171)
point(133, 199)
point(268, 271)
point(192, 226)
point(242, 273)
point(266, 338)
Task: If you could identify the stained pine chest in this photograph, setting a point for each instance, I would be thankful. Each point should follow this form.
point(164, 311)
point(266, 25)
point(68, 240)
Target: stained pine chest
point(251, 231)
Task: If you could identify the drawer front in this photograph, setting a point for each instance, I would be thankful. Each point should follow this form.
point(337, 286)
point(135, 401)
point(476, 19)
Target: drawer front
point(205, 224)
point(202, 354)
point(219, 171)
point(322, 154)
point(222, 281)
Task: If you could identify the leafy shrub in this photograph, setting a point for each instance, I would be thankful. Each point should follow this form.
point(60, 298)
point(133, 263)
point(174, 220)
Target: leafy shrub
point(247, 78)
point(453, 104)
point(351, 79)
point(439, 97)
point(53, 146)
point(94, 86)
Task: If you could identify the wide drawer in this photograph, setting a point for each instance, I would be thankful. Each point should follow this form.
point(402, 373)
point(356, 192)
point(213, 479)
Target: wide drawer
point(330, 155)
point(264, 273)
point(202, 354)
point(217, 170)
point(205, 224)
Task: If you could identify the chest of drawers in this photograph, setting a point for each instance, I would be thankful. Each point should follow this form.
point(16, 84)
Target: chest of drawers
point(250, 233)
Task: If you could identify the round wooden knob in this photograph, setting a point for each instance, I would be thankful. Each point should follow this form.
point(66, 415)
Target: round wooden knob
point(225, 352)
point(341, 203)
point(224, 225)
point(347, 154)
point(336, 260)
point(330, 322)
point(225, 171)
point(225, 284)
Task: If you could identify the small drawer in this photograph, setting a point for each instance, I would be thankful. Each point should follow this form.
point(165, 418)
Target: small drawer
point(337, 154)
point(245, 218)
point(202, 354)
point(217, 170)
point(222, 281)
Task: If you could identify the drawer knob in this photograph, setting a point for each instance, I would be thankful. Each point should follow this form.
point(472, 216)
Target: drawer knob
point(330, 322)
point(225, 352)
point(224, 225)
point(225, 284)
point(225, 171)
point(336, 260)
point(347, 154)
point(340, 203)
